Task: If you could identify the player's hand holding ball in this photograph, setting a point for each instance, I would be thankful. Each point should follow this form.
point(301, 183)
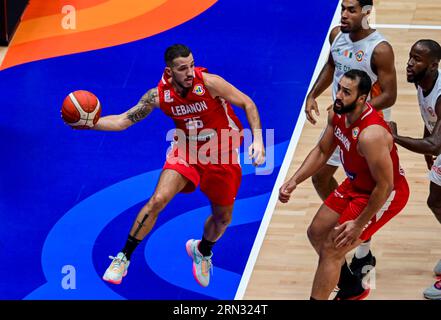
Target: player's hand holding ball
point(81, 110)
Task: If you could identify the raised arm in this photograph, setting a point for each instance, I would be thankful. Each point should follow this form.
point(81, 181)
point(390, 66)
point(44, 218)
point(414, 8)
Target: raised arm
point(323, 81)
point(313, 162)
point(218, 87)
point(383, 63)
point(122, 121)
point(430, 144)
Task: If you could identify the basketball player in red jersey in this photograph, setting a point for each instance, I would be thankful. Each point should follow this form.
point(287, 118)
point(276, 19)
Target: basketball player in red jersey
point(374, 191)
point(200, 105)
point(354, 45)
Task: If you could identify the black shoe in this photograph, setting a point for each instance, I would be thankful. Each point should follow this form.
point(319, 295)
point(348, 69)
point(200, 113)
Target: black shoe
point(361, 267)
point(354, 293)
point(351, 287)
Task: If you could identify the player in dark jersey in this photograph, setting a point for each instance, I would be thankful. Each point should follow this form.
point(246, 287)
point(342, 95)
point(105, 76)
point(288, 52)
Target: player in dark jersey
point(374, 191)
point(200, 105)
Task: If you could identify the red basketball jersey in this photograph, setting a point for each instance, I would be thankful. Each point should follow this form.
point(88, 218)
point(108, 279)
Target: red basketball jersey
point(356, 167)
point(198, 113)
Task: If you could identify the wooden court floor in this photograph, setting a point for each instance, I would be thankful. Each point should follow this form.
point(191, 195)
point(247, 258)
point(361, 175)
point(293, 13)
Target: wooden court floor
point(408, 247)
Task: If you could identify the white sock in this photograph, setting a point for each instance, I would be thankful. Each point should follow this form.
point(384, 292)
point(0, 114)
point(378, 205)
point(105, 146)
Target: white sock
point(363, 250)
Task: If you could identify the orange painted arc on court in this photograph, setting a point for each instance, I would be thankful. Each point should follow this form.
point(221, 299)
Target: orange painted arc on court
point(106, 24)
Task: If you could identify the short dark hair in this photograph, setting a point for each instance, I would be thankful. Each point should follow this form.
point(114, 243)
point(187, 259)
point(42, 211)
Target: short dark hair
point(176, 51)
point(364, 81)
point(365, 3)
point(433, 47)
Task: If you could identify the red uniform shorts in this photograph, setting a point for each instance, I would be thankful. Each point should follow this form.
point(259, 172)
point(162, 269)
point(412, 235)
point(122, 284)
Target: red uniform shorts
point(219, 182)
point(349, 204)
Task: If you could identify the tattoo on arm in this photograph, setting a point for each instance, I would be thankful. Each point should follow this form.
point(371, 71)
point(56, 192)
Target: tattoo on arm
point(138, 112)
point(144, 107)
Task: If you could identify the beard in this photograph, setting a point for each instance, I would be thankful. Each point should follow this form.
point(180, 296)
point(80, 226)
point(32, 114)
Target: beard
point(417, 77)
point(340, 108)
point(352, 26)
point(182, 84)
point(345, 29)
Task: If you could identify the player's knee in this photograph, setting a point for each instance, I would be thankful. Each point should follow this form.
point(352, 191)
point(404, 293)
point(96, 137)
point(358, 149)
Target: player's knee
point(157, 203)
point(329, 251)
point(313, 234)
point(223, 218)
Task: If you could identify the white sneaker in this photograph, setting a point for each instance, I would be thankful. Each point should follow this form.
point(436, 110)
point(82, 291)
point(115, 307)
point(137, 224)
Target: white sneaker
point(202, 266)
point(434, 291)
point(117, 269)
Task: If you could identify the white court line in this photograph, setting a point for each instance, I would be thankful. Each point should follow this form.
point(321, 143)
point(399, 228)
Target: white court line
point(284, 169)
point(406, 26)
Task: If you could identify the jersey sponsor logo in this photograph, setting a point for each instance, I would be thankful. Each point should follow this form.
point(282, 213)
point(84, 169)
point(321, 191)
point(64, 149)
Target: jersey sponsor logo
point(199, 90)
point(167, 97)
point(359, 55)
point(343, 139)
point(355, 132)
point(185, 109)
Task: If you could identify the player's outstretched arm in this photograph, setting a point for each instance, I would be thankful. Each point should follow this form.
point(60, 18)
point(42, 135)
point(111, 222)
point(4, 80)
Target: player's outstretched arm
point(430, 144)
point(218, 87)
point(313, 162)
point(122, 121)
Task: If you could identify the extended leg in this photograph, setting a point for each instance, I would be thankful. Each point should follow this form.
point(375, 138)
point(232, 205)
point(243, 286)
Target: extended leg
point(169, 184)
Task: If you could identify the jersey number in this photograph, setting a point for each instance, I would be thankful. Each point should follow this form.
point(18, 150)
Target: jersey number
point(194, 123)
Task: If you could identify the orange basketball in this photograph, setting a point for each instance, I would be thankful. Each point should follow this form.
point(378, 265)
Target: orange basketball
point(81, 109)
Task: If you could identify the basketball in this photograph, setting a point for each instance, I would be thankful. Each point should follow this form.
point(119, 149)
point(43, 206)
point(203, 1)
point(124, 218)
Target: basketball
point(81, 109)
